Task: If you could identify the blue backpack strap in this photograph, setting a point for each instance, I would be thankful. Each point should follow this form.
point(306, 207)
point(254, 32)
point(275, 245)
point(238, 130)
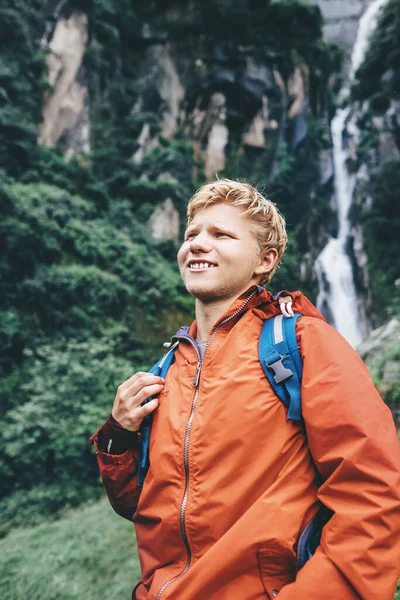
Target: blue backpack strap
point(281, 361)
point(283, 367)
point(161, 369)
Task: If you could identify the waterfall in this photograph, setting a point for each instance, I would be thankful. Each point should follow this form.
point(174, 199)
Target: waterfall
point(337, 297)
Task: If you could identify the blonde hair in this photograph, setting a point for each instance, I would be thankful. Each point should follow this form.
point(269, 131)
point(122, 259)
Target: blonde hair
point(268, 224)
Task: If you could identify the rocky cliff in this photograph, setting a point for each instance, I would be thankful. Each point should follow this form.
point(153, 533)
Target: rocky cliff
point(251, 91)
point(221, 92)
point(341, 20)
point(248, 90)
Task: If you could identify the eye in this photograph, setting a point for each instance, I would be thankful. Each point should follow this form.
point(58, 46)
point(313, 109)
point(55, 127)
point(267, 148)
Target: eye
point(190, 236)
point(221, 234)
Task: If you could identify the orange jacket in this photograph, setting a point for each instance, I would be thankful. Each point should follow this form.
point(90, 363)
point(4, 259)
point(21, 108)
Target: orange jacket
point(231, 483)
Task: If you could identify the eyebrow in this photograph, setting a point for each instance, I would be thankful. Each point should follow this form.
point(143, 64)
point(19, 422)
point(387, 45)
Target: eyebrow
point(189, 229)
point(216, 227)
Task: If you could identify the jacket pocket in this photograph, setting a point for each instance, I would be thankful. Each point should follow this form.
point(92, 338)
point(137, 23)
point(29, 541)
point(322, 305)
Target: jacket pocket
point(277, 569)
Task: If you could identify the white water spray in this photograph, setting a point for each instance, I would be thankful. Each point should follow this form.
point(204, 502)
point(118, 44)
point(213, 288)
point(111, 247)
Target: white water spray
point(337, 295)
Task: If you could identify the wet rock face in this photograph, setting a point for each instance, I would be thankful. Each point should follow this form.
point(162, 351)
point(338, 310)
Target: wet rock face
point(164, 222)
point(65, 111)
point(244, 93)
point(221, 96)
point(218, 92)
point(162, 87)
point(217, 133)
point(380, 339)
point(341, 20)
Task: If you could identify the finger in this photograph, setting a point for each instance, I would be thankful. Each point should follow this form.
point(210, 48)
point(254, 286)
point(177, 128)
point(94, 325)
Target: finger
point(126, 384)
point(146, 392)
point(147, 408)
point(128, 412)
point(141, 382)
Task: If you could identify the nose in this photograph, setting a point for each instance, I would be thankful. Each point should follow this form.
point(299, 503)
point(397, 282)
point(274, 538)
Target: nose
point(201, 243)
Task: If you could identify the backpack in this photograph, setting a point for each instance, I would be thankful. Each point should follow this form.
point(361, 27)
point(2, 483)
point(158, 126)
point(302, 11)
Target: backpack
point(283, 367)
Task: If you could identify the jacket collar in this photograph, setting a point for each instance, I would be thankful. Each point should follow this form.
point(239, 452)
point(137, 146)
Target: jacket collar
point(263, 303)
point(255, 295)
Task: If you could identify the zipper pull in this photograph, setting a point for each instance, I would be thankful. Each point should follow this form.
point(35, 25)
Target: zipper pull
point(197, 376)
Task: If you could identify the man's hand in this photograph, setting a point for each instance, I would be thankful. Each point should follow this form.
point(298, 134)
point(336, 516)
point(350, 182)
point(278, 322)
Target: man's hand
point(131, 394)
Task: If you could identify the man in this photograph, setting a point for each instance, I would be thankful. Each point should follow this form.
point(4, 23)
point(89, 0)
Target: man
point(232, 483)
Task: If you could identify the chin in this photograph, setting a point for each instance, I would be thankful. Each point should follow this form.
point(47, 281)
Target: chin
point(200, 293)
point(211, 294)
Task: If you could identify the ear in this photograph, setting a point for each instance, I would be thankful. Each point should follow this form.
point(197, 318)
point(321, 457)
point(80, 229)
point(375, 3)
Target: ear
point(268, 261)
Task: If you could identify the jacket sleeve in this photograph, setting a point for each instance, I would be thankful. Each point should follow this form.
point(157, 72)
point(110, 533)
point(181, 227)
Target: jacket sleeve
point(119, 475)
point(354, 445)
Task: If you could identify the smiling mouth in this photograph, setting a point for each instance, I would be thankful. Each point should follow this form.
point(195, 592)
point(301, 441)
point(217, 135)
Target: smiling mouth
point(200, 265)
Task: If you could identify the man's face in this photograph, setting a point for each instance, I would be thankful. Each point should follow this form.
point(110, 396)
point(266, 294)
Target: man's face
point(220, 258)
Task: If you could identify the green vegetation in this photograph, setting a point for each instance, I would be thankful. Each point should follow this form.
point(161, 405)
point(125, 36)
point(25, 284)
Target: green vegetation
point(87, 297)
point(89, 554)
point(381, 229)
point(378, 78)
point(383, 366)
point(375, 95)
point(376, 89)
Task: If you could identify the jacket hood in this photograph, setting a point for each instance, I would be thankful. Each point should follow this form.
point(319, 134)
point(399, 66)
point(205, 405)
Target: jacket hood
point(300, 304)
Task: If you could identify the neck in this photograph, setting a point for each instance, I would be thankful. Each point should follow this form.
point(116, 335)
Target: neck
point(207, 315)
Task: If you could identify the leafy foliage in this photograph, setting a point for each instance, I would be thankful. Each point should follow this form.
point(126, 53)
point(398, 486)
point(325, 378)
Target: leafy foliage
point(45, 436)
point(376, 89)
point(380, 68)
point(381, 228)
point(87, 298)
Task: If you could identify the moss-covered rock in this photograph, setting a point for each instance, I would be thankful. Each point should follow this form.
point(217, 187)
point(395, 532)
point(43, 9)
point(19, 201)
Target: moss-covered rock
point(381, 352)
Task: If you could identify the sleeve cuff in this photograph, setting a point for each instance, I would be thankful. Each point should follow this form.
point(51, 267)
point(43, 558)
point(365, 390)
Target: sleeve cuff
point(112, 438)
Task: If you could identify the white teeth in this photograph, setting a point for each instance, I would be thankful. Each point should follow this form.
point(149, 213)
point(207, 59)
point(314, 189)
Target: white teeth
point(201, 266)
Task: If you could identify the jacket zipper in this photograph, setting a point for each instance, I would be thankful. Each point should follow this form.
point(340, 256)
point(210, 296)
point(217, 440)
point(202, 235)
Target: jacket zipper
point(186, 467)
point(187, 439)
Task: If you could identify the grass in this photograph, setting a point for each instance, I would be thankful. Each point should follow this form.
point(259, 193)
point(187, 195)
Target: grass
point(88, 555)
